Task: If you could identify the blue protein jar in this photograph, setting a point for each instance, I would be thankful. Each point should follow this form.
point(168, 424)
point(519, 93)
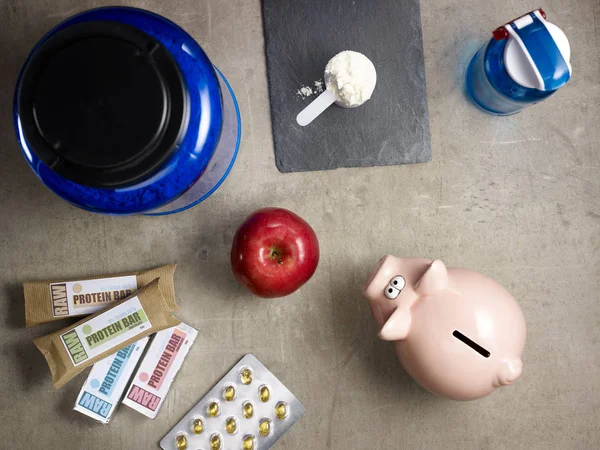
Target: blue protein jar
point(119, 111)
point(525, 62)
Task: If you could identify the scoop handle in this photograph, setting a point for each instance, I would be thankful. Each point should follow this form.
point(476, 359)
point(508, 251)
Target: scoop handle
point(316, 107)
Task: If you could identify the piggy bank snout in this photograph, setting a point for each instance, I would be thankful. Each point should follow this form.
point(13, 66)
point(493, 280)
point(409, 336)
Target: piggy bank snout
point(510, 371)
point(373, 287)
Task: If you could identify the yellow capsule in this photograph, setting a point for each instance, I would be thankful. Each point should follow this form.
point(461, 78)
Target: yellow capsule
point(248, 410)
point(181, 442)
point(215, 442)
point(248, 442)
point(198, 426)
point(229, 393)
point(246, 376)
point(264, 427)
point(231, 425)
point(281, 411)
point(264, 394)
point(213, 409)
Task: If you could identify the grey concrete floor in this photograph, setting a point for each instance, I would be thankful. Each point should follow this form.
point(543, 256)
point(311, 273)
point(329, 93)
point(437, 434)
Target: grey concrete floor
point(516, 198)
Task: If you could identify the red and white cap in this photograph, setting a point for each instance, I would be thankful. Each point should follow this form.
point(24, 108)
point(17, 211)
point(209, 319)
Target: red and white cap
point(537, 54)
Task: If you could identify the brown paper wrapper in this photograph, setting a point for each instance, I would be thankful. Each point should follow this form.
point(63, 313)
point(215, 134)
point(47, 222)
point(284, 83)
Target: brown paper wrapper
point(38, 299)
point(59, 361)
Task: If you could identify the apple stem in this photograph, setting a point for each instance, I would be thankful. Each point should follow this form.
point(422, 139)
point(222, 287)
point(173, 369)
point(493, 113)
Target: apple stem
point(275, 255)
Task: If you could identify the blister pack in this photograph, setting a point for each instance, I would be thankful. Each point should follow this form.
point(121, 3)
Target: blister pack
point(248, 409)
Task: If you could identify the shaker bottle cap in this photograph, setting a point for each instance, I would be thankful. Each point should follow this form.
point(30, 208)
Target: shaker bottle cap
point(102, 104)
point(537, 53)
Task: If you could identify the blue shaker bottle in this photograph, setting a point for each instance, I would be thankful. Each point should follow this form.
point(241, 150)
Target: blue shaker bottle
point(526, 61)
point(119, 111)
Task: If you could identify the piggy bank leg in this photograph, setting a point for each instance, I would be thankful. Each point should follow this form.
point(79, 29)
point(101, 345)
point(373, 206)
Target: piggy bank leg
point(510, 370)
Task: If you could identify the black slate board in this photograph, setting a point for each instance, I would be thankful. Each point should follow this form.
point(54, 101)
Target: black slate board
point(392, 127)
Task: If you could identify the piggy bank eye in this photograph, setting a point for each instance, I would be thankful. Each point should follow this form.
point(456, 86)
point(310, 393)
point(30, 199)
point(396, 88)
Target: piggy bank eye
point(398, 282)
point(391, 292)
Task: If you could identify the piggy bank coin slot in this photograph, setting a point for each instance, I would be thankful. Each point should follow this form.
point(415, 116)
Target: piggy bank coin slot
point(474, 345)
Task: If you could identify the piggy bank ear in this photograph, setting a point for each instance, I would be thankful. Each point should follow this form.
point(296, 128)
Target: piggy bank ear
point(510, 370)
point(434, 279)
point(397, 326)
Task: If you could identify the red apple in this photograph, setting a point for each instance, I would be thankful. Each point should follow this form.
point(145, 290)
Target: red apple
point(274, 252)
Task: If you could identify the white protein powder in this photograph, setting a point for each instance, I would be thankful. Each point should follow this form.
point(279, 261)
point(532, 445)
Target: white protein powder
point(305, 92)
point(351, 77)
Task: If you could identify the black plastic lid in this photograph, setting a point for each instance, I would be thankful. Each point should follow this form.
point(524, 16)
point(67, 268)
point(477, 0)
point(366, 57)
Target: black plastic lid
point(102, 104)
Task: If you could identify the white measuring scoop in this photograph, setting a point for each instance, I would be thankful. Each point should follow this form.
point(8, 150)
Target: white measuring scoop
point(342, 67)
point(315, 108)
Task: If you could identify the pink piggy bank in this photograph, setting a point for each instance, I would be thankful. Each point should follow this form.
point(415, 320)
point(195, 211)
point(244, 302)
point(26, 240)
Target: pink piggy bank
point(458, 333)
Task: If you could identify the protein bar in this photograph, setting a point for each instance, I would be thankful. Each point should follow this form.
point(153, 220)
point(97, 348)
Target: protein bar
point(104, 387)
point(72, 349)
point(162, 361)
point(47, 301)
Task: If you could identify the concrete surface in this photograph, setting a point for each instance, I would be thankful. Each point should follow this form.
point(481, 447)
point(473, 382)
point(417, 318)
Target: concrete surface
point(516, 198)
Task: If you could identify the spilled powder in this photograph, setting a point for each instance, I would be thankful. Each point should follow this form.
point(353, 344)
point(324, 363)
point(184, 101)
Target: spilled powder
point(306, 91)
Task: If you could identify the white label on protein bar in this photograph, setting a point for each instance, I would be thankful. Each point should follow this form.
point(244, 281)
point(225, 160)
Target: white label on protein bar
point(104, 387)
point(105, 331)
point(79, 298)
point(153, 378)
